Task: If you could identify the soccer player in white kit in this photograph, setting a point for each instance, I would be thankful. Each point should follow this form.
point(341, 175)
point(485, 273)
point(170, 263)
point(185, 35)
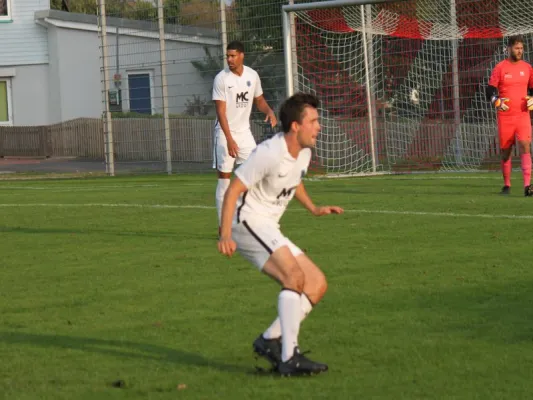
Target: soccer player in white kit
point(235, 91)
point(268, 180)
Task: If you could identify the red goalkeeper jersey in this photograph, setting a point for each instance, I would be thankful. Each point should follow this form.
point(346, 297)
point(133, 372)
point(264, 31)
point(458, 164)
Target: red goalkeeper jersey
point(512, 81)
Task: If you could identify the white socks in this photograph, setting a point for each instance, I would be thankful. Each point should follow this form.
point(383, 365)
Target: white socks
point(222, 186)
point(274, 331)
point(289, 310)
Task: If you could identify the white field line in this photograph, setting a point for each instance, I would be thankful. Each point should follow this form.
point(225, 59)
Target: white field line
point(201, 207)
point(73, 188)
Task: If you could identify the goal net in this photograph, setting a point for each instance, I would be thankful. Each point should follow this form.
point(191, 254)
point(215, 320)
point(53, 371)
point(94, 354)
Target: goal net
point(402, 84)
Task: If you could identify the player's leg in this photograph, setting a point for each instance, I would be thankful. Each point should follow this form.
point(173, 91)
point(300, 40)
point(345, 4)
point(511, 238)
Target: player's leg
point(265, 246)
point(293, 306)
point(247, 144)
point(523, 134)
point(506, 133)
point(223, 163)
point(315, 287)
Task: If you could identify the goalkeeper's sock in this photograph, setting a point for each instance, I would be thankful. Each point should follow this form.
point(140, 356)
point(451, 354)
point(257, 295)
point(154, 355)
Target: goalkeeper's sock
point(506, 171)
point(525, 162)
point(222, 186)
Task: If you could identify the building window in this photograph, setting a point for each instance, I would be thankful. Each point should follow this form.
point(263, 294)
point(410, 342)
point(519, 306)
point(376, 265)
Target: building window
point(5, 10)
point(140, 92)
point(6, 111)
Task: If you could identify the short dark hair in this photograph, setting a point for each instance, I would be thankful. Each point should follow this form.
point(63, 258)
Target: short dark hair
point(514, 40)
point(292, 109)
point(236, 45)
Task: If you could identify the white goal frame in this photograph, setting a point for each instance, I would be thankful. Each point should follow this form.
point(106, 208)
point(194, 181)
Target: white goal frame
point(291, 74)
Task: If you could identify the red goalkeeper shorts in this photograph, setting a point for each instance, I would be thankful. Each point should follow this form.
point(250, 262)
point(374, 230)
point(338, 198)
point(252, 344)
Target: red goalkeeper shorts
point(511, 127)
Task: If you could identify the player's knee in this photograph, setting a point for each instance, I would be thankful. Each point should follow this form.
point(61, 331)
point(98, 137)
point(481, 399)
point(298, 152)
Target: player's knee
point(505, 155)
point(319, 288)
point(293, 278)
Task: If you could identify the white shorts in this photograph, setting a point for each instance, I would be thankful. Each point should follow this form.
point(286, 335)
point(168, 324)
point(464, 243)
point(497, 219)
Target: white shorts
point(257, 240)
point(222, 161)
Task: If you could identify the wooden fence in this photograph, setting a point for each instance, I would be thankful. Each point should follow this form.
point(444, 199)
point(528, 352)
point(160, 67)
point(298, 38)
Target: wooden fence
point(143, 139)
point(135, 139)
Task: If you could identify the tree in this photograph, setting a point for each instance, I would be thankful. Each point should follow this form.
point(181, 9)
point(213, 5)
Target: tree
point(140, 10)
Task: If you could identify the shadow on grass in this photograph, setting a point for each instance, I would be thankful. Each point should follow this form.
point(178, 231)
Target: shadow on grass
point(119, 348)
point(484, 310)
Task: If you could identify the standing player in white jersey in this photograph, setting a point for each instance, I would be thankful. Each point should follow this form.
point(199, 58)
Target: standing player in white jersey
point(268, 180)
point(235, 90)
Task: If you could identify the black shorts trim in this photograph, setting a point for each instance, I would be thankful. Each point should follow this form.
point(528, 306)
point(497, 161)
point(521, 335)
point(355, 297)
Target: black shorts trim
point(256, 237)
point(241, 206)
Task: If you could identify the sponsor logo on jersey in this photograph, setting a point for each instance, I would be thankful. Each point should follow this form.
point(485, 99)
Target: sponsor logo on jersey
point(242, 100)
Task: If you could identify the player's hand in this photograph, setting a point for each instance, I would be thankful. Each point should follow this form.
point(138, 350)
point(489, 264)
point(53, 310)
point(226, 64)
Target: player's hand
point(227, 246)
point(529, 103)
point(271, 117)
point(233, 149)
point(500, 103)
point(326, 210)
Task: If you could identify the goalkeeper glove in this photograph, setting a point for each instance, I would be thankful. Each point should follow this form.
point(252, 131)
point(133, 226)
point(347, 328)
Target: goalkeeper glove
point(529, 103)
point(500, 103)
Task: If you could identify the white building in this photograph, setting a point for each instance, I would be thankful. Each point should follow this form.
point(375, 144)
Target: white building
point(50, 64)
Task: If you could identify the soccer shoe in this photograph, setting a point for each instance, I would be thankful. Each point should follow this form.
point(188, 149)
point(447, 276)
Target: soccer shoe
point(269, 349)
point(528, 191)
point(298, 364)
point(506, 190)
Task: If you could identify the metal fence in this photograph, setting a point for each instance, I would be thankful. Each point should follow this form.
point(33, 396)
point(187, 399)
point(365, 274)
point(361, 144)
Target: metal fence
point(159, 60)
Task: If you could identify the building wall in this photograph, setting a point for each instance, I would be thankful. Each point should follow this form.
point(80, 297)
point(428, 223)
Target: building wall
point(76, 88)
point(30, 95)
point(23, 41)
point(74, 74)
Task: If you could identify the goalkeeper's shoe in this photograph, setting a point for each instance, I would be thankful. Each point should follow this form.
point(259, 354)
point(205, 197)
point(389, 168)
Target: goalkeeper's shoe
point(500, 103)
point(298, 364)
point(269, 349)
point(506, 190)
point(528, 191)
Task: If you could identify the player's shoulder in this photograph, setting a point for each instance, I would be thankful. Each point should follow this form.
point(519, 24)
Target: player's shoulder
point(250, 71)
point(501, 63)
point(272, 148)
point(221, 76)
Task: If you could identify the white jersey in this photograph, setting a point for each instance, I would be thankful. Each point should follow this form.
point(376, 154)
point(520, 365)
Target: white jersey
point(238, 92)
point(271, 176)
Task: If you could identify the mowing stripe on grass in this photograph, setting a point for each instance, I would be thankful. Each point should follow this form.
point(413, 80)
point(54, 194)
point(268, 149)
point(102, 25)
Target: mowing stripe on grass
point(201, 207)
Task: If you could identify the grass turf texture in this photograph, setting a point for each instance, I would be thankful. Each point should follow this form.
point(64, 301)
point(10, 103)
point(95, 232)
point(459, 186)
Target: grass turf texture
point(420, 306)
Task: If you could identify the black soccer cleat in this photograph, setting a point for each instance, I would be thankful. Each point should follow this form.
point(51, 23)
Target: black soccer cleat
point(298, 365)
point(528, 191)
point(269, 349)
point(506, 190)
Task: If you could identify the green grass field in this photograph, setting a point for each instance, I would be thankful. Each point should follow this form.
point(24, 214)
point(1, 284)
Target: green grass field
point(430, 291)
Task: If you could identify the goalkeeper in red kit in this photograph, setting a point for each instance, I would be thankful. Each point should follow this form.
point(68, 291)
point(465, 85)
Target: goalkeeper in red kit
point(510, 85)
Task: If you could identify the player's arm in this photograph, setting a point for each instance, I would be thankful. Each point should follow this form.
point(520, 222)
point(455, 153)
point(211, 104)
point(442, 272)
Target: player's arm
point(302, 196)
point(492, 92)
point(529, 97)
point(226, 245)
point(219, 97)
point(263, 106)
point(220, 107)
point(255, 168)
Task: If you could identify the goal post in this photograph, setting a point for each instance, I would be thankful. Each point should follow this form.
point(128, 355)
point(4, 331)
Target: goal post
point(402, 83)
